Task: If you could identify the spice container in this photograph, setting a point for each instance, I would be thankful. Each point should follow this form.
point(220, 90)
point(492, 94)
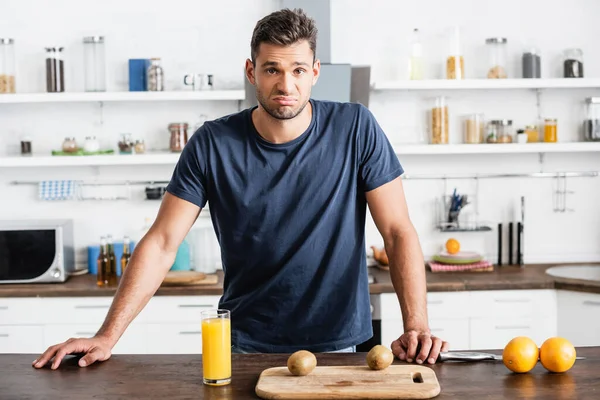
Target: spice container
point(455, 62)
point(439, 121)
point(95, 64)
point(91, 144)
point(26, 145)
point(7, 65)
point(498, 65)
point(532, 63)
point(69, 145)
point(55, 70)
point(415, 62)
point(573, 63)
point(139, 147)
point(499, 131)
point(532, 133)
point(125, 144)
point(591, 124)
point(155, 77)
point(473, 126)
point(550, 131)
point(179, 136)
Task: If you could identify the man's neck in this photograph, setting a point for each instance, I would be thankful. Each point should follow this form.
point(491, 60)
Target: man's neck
point(279, 131)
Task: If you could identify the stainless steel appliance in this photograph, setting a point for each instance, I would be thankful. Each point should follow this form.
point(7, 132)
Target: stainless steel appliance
point(36, 251)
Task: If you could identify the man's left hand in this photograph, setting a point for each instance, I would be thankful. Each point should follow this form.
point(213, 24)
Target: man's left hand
point(418, 346)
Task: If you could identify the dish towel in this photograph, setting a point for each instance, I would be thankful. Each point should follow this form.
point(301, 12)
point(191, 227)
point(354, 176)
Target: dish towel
point(56, 190)
point(435, 266)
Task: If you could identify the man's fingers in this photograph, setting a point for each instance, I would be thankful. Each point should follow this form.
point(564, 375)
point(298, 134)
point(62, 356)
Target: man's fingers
point(445, 346)
point(435, 350)
point(45, 357)
point(397, 350)
point(94, 355)
point(425, 342)
point(411, 351)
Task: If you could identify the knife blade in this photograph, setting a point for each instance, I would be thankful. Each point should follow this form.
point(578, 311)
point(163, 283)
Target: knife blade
point(473, 356)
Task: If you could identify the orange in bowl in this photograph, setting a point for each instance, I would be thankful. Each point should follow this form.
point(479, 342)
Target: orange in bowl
point(520, 354)
point(557, 354)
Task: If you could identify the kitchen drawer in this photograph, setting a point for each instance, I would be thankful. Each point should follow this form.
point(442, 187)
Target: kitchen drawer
point(578, 317)
point(391, 329)
point(16, 311)
point(439, 305)
point(75, 310)
point(21, 339)
point(454, 331)
point(177, 308)
point(133, 340)
point(174, 338)
point(495, 333)
point(513, 303)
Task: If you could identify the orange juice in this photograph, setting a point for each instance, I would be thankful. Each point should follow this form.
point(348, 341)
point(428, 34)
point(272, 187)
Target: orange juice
point(216, 350)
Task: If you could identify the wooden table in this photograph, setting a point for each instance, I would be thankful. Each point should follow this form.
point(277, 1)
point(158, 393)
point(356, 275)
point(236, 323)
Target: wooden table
point(180, 377)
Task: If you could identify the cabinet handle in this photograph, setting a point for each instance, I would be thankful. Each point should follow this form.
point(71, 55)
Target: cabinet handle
point(436, 329)
point(435, 301)
point(513, 327)
point(190, 332)
point(194, 305)
point(3, 307)
point(91, 307)
point(512, 300)
point(591, 303)
point(84, 333)
point(3, 334)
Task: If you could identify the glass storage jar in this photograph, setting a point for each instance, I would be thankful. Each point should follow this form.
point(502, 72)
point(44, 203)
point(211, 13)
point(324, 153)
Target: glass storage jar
point(550, 130)
point(140, 147)
point(531, 63)
point(500, 131)
point(498, 59)
point(7, 66)
point(591, 124)
point(70, 145)
point(533, 135)
point(573, 63)
point(155, 77)
point(55, 70)
point(455, 62)
point(95, 64)
point(439, 121)
point(91, 144)
point(473, 126)
point(179, 136)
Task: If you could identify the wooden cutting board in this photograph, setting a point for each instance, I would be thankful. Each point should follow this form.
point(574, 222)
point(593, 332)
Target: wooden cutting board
point(174, 278)
point(350, 382)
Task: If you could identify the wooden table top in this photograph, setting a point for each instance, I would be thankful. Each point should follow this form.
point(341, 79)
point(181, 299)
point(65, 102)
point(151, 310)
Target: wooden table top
point(180, 377)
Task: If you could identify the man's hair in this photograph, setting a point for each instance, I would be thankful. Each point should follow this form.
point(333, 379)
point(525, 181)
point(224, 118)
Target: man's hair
point(284, 27)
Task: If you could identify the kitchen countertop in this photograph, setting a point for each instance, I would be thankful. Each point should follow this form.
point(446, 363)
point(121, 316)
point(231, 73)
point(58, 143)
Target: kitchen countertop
point(502, 278)
point(180, 377)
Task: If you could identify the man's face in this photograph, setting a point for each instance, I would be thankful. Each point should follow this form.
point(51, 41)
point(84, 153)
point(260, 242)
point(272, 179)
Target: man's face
point(283, 77)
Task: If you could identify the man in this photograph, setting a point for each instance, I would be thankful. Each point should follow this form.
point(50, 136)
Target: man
point(288, 183)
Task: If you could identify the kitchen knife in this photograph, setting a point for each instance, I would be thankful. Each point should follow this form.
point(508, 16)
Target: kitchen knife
point(473, 356)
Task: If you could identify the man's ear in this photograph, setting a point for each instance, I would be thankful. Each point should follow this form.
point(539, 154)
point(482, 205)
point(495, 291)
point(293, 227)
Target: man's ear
point(316, 71)
point(250, 71)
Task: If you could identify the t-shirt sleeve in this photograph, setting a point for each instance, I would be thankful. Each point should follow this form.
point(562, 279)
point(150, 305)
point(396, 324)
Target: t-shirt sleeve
point(189, 177)
point(378, 163)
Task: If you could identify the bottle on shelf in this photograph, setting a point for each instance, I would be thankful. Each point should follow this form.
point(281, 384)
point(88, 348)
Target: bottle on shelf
point(415, 61)
point(111, 270)
point(126, 254)
point(102, 263)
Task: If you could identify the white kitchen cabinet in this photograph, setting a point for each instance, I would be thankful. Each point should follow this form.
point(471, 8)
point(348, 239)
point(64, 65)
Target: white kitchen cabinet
point(454, 331)
point(21, 339)
point(179, 309)
point(495, 333)
point(80, 310)
point(20, 310)
point(133, 341)
point(512, 303)
point(579, 317)
point(174, 338)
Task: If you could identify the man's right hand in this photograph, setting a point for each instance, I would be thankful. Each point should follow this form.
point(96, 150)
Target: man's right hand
point(94, 349)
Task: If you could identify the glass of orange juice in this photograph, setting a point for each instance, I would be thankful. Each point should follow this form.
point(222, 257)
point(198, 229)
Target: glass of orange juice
point(216, 347)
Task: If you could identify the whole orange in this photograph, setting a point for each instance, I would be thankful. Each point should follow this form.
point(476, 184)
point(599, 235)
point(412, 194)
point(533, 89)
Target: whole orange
point(520, 354)
point(557, 354)
point(452, 246)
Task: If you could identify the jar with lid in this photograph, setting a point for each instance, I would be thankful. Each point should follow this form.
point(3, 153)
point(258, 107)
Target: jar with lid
point(125, 144)
point(550, 130)
point(498, 59)
point(155, 77)
point(55, 70)
point(473, 126)
point(591, 124)
point(500, 131)
point(533, 135)
point(139, 147)
point(179, 136)
point(439, 121)
point(573, 63)
point(531, 63)
point(70, 145)
point(91, 144)
point(7, 65)
point(94, 64)
point(455, 62)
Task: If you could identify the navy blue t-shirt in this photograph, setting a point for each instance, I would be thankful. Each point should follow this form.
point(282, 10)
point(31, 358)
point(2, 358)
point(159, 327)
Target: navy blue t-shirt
point(290, 220)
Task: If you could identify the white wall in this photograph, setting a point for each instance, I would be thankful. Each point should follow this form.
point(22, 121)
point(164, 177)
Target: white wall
point(213, 37)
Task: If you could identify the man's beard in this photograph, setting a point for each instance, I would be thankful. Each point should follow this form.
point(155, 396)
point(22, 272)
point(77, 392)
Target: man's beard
point(279, 112)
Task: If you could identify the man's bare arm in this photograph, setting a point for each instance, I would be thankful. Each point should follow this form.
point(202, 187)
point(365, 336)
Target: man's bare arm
point(149, 263)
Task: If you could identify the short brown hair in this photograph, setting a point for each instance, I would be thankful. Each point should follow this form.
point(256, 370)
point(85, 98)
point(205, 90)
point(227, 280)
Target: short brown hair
point(284, 27)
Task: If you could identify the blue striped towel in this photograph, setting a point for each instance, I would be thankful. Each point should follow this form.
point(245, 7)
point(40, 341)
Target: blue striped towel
point(56, 190)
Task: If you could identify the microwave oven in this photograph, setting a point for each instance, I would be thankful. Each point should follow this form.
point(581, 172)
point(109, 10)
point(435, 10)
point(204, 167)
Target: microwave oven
point(36, 251)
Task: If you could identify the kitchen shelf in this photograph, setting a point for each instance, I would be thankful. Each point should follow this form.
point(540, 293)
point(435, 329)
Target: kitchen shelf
point(67, 161)
point(499, 148)
point(66, 97)
point(475, 84)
